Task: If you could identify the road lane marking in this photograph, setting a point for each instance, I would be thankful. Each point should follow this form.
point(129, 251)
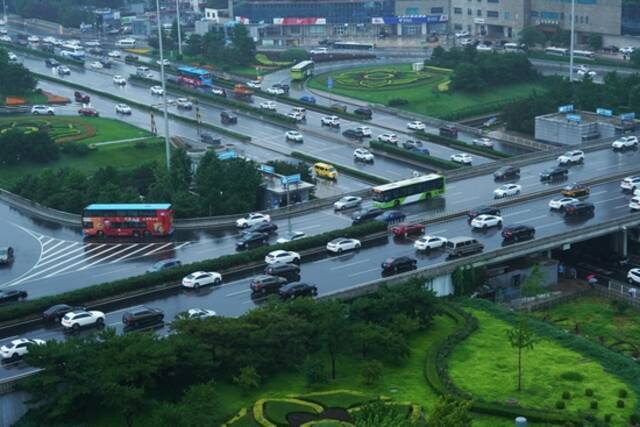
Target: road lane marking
point(49, 258)
point(180, 246)
point(70, 259)
point(595, 193)
point(538, 217)
point(622, 206)
point(128, 267)
point(550, 224)
point(608, 200)
point(126, 248)
point(157, 249)
point(349, 265)
point(80, 262)
point(53, 247)
point(47, 242)
point(362, 272)
point(132, 253)
point(516, 213)
point(466, 199)
point(232, 294)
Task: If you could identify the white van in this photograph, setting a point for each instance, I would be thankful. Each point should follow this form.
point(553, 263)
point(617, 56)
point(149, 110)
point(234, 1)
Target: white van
point(126, 43)
point(142, 71)
point(72, 51)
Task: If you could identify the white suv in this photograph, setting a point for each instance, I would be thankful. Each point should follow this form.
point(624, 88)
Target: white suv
point(390, 138)
point(362, 155)
point(18, 348)
point(630, 183)
point(252, 219)
point(81, 318)
point(571, 157)
point(36, 110)
point(625, 142)
point(331, 121)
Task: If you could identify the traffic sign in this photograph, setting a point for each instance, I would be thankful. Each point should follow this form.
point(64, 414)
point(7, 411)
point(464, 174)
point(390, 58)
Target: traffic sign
point(330, 83)
point(290, 179)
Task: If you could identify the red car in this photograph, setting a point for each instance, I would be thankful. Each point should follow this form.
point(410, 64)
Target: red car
point(88, 112)
point(404, 229)
point(81, 97)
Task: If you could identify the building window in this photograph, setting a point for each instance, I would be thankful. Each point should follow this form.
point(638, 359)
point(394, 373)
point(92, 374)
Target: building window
point(457, 11)
point(492, 14)
point(436, 10)
point(412, 11)
point(457, 26)
point(586, 19)
point(469, 12)
point(479, 12)
point(507, 16)
point(493, 1)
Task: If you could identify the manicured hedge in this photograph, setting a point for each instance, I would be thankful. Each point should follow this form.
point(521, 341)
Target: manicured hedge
point(349, 171)
point(455, 143)
point(93, 293)
point(42, 54)
point(412, 155)
point(478, 110)
point(218, 129)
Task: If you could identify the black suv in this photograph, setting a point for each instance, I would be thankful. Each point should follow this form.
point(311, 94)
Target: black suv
point(266, 284)
point(353, 134)
point(398, 263)
point(290, 272)
point(365, 215)
point(365, 113)
point(227, 117)
point(579, 209)
point(554, 173)
point(12, 295)
point(49, 62)
point(142, 316)
point(506, 172)
point(518, 232)
point(298, 289)
point(263, 227)
point(207, 138)
point(252, 240)
point(483, 210)
point(57, 312)
point(449, 131)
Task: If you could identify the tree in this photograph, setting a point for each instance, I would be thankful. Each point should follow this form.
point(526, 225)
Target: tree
point(634, 98)
point(531, 37)
point(213, 46)
point(180, 170)
point(333, 327)
point(561, 38)
point(314, 371)
point(379, 414)
point(450, 412)
point(248, 379)
point(197, 407)
point(533, 284)
point(595, 41)
point(521, 338)
point(294, 55)
point(466, 77)
point(371, 371)
point(194, 44)
point(243, 49)
point(635, 58)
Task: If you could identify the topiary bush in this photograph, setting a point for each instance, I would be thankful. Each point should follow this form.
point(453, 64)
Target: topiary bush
point(634, 419)
point(623, 393)
point(566, 395)
point(608, 417)
point(572, 376)
point(397, 102)
point(560, 404)
point(620, 404)
point(594, 404)
point(588, 392)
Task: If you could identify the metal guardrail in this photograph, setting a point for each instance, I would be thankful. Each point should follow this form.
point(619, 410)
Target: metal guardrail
point(40, 211)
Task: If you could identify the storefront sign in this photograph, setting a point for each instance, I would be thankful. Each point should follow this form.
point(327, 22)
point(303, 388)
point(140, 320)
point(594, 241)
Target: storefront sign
point(299, 21)
point(410, 20)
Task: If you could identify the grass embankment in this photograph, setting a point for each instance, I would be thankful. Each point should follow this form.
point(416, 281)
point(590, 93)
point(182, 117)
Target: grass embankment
point(421, 93)
point(486, 365)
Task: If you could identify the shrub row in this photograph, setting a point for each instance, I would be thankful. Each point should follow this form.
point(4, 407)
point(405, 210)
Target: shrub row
point(239, 105)
point(611, 361)
point(435, 372)
point(478, 110)
point(349, 171)
point(455, 143)
point(218, 129)
point(42, 54)
point(93, 293)
point(411, 155)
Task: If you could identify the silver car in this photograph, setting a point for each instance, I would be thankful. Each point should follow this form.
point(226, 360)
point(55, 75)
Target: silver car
point(347, 202)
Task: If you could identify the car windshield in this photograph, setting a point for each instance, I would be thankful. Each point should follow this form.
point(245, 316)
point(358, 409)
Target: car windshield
point(4, 251)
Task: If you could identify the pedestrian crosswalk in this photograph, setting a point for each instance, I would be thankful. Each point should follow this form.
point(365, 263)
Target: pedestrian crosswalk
point(59, 256)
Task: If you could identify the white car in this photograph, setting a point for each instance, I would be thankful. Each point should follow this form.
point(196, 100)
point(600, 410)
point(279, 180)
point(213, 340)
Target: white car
point(347, 202)
point(164, 62)
point(80, 318)
point(483, 222)
point(466, 42)
point(123, 109)
point(294, 235)
point(114, 54)
point(426, 243)
point(18, 348)
point(199, 313)
point(633, 276)
point(63, 70)
point(12, 57)
point(630, 183)
point(507, 190)
point(483, 142)
point(96, 65)
point(184, 103)
point(252, 219)
point(268, 105)
point(571, 157)
point(36, 110)
point(364, 131)
point(90, 43)
point(299, 117)
point(5, 38)
point(50, 40)
point(484, 48)
point(341, 244)
point(319, 51)
point(363, 155)
point(625, 142)
point(254, 84)
point(218, 91)
point(282, 256)
point(331, 121)
point(275, 91)
point(583, 71)
point(462, 158)
point(119, 80)
point(561, 202)
point(156, 90)
point(416, 125)
point(390, 138)
point(462, 34)
point(33, 39)
point(634, 203)
point(201, 278)
point(627, 50)
point(293, 135)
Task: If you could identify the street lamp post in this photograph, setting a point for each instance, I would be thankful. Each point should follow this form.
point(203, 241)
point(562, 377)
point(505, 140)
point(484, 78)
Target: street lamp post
point(164, 89)
point(179, 32)
point(573, 35)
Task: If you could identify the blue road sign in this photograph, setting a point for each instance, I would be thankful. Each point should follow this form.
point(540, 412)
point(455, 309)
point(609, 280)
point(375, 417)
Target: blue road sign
point(330, 83)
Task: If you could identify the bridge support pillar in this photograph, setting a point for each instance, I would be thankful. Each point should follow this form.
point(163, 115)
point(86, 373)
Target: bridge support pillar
point(620, 242)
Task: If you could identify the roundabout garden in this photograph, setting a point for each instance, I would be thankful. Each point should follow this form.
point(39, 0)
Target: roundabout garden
point(381, 78)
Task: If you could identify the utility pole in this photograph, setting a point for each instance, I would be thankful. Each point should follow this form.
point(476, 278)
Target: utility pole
point(179, 31)
point(164, 89)
point(573, 35)
point(4, 12)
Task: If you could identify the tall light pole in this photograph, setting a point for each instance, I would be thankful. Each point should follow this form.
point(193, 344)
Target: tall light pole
point(4, 12)
point(164, 89)
point(179, 32)
point(573, 36)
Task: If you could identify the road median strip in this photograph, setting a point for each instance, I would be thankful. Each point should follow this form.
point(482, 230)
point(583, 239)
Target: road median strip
point(425, 159)
point(374, 179)
point(456, 143)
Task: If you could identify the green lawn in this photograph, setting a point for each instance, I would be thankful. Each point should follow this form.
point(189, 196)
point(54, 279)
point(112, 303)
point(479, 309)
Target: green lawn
point(598, 320)
point(121, 156)
point(423, 95)
point(485, 365)
point(112, 130)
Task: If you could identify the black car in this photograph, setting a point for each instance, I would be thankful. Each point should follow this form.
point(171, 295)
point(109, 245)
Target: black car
point(353, 134)
point(518, 232)
point(252, 240)
point(397, 264)
point(483, 210)
point(131, 59)
point(291, 272)
point(366, 215)
point(298, 289)
point(284, 87)
point(554, 173)
point(266, 284)
point(449, 131)
point(105, 63)
point(207, 138)
point(50, 62)
point(263, 227)
point(96, 51)
point(579, 209)
point(507, 172)
point(57, 312)
point(365, 113)
point(142, 316)
point(12, 295)
point(227, 117)
point(6, 255)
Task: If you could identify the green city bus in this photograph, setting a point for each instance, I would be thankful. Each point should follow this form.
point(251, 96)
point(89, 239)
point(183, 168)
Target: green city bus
point(302, 70)
point(411, 190)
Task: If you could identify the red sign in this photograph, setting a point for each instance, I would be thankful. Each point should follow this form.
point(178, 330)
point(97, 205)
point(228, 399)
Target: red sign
point(299, 21)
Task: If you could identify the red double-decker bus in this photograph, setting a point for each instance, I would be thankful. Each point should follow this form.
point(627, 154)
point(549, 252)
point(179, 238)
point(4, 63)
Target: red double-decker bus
point(127, 219)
